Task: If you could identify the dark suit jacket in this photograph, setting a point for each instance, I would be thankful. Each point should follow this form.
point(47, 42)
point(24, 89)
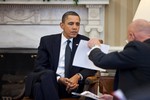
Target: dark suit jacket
point(133, 64)
point(48, 58)
point(48, 54)
point(140, 93)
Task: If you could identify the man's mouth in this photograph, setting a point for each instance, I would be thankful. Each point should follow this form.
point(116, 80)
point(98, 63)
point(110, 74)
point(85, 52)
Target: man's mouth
point(74, 32)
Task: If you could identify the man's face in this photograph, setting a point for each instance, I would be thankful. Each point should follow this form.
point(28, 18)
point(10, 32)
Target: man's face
point(71, 26)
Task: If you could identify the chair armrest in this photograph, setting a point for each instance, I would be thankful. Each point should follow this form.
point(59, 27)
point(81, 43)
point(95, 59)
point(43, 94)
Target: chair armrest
point(91, 84)
point(21, 95)
point(91, 80)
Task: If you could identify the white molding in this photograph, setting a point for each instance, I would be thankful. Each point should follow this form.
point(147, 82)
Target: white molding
point(30, 19)
point(81, 2)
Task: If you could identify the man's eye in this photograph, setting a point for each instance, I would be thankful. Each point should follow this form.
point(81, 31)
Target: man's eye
point(78, 24)
point(70, 23)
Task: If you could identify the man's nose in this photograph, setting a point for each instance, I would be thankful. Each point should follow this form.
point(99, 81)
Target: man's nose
point(75, 26)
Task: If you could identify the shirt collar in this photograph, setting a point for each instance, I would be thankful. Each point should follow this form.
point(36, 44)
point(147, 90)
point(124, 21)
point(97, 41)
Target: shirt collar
point(64, 39)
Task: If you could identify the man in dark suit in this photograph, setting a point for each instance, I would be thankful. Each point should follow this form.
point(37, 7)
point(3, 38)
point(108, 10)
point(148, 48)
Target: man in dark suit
point(133, 63)
point(48, 80)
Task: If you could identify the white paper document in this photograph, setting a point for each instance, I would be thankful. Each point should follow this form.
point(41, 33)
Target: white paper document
point(87, 94)
point(81, 58)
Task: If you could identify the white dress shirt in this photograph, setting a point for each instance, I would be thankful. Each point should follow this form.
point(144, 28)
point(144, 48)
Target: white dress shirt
point(61, 65)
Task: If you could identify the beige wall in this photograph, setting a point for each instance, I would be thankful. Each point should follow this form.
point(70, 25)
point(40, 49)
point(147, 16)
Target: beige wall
point(118, 14)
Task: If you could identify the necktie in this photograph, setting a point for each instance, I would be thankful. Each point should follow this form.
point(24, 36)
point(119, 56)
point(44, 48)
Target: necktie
point(67, 58)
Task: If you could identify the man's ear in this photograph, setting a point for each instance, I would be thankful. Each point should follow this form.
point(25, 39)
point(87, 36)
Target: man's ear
point(61, 25)
point(131, 36)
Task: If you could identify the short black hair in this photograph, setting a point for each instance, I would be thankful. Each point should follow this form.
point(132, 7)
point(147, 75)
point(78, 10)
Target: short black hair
point(69, 13)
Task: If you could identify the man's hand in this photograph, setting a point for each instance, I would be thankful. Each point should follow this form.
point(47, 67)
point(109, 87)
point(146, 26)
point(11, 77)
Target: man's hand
point(63, 81)
point(73, 83)
point(93, 42)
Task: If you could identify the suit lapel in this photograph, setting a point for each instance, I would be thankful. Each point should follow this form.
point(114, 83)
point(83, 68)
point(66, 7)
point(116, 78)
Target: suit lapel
point(74, 47)
point(56, 49)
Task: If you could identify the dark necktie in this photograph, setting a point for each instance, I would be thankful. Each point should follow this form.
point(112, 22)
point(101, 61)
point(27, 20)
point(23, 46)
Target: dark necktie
point(67, 58)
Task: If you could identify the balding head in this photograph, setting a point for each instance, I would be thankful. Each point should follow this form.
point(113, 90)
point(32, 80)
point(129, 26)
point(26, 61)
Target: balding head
point(139, 30)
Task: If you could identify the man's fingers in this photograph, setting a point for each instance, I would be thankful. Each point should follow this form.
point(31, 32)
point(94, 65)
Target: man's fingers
point(71, 87)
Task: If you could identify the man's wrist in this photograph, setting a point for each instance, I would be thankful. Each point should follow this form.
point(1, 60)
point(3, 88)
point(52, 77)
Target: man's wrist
point(80, 76)
point(96, 46)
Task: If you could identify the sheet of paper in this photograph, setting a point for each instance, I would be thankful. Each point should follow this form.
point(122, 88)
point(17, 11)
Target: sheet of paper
point(105, 48)
point(81, 58)
point(87, 94)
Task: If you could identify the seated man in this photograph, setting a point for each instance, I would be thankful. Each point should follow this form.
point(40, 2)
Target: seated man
point(53, 78)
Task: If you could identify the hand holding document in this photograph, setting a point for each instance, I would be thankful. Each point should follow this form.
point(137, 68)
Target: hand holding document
point(81, 58)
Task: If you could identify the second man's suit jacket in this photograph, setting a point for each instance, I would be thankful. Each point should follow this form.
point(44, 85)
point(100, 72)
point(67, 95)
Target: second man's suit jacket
point(133, 64)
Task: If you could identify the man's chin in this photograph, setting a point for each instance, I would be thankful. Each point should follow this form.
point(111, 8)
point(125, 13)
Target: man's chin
point(73, 36)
